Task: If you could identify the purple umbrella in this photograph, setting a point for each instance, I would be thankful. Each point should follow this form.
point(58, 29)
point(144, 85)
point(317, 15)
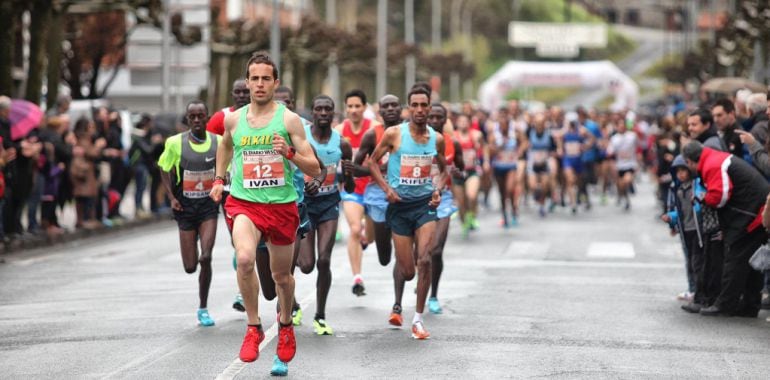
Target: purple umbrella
point(25, 116)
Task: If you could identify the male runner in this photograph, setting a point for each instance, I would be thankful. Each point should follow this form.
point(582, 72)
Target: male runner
point(353, 129)
point(374, 196)
point(623, 148)
point(190, 156)
point(437, 119)
point(413, 199)
point(260, 140)
point(323, 207)
point(505, 149)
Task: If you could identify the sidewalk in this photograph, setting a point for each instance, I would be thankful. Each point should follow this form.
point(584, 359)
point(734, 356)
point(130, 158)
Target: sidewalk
point(67, 219)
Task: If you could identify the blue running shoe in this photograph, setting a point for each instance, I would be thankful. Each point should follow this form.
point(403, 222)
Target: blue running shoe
point(238, 303)
point(204, 318)
point(434, 306)
point(279, 368)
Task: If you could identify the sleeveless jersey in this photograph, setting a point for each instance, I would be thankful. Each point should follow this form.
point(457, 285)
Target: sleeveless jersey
point(573, 142)
point(470, 155)
point(540, 146)
point(259, 173)
point(330, 155)
point(506, 155)
point(409, 167)
point(449, 154)
point(196, 169)
point(355, 143)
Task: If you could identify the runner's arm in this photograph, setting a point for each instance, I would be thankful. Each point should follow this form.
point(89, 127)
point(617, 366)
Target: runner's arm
point(385, 146)
point(590, 140)
point(304, 158)
point(459, 162)
point(348, 167)
point(315, 184)
point(224, 155)
point(441, 179)
point(368, 143)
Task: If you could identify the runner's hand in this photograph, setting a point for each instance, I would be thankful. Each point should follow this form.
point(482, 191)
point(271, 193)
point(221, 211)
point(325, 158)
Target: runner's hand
point(175, 205)
point(392, 196)
point(435, 200)
point(216, 193)
point(279, 145)
point(457, 173)
point(312, 186)
point(347, 168)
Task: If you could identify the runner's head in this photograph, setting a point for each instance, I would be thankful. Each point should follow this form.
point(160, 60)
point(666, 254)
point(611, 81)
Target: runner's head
point(286, 95)
point(355, 105)
point(463, 123)
point(390, 110)
point(699, 121)
point(241, 95)
point(323, 111)
point(419, 104)
point(261, 78)
point(540, 122)
point(197, 115)
point(437, 117)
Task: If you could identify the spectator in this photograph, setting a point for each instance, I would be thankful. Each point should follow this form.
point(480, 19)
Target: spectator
point(113, 175)
point(756, 107)
point(741, 100)
point(7, 155)
point(723, 112)
point(58, 154)
point(738, 192)
point(85, 187)
point(700, 125)
point(145, 142)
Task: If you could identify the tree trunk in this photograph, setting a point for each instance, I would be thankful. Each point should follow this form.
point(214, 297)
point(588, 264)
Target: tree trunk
point(38, 31)
point(96, 65)
point(6, 47)
point(55, 36)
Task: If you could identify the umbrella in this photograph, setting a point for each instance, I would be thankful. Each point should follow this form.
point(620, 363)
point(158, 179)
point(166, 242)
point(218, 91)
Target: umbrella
point(25, 116)
point(729, 85)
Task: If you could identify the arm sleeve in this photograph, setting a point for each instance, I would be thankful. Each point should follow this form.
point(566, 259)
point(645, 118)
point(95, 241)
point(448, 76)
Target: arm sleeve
point(719, 187)
point(217, 123)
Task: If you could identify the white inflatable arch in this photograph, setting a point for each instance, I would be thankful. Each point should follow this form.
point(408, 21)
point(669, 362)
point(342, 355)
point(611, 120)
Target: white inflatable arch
point(602, 75)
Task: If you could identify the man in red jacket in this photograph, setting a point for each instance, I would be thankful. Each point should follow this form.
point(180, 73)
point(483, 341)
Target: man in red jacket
point(738, 192)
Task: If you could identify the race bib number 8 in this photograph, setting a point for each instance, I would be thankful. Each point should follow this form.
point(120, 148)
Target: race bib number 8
point(415, 170)
point(197, 184)
point(329, 184)
point(262, 169)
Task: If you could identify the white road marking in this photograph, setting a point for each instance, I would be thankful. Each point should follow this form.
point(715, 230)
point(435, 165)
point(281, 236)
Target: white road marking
point(528, 249)
point(526, 263)
point(611, 250)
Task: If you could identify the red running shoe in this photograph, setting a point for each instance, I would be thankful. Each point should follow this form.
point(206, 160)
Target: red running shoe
point(287, 345)
point(250, 346)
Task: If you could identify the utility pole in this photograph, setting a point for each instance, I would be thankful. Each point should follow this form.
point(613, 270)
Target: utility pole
point(334, 69)
point(467, 24)
point(165, 56)
point(275, 35)
point(435, 40)
point(411, 63)
point(382, 47)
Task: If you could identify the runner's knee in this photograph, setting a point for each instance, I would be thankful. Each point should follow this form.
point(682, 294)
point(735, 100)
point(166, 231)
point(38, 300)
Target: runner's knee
point(323, 264)
point(190, 269)
point(245, 263)
point(281, 279)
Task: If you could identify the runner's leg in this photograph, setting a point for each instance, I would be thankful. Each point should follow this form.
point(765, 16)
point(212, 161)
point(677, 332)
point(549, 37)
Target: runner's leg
point(354, 213)
point(326, 231)
point(437, 253)
point(208, 234)
point(245, 238)
point(281, 258)
point(382, 239)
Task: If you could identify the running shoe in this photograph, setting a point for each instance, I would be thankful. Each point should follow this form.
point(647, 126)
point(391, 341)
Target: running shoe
point(685, 296)
point(419, 332)
point(321, 328)
point(552, 207)
point(296, 317)
point(514, 221)
point(238, 303)
point(603, 200)
point(235, 262)
point(279, 368)
point(250, 346)
point(434, 306)
point(474, 223)
point(358, 288)
point(338, 236)
point(287, 344)
point(396, 320)
point(541, 211)
point(204, 319)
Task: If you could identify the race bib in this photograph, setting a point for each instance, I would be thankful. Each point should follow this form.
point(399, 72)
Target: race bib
point(507, 157)
point(329, 184)
point(625, 155)
point(469, 158)
point(539, 156)
point(572, 148)
point(262, 169)
point(415, 169)
point(197, 184)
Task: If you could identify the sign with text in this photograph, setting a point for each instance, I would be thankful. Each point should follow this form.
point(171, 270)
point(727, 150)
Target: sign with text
point(562, 40)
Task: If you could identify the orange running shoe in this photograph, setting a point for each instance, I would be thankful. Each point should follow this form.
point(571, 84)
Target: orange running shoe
point(250, 346)
point(419, 332)
point(287, 344)
point(396, 320)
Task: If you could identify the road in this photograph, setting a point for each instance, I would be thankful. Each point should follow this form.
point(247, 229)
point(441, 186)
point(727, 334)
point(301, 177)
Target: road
point(585, 296)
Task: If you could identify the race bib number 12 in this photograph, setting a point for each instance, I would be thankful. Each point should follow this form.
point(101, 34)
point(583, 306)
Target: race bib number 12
point(262, 169)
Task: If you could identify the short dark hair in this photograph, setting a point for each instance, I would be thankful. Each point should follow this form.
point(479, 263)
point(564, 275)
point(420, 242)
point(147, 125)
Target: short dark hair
point(322, 96)
point(704, 115)
point(261, 57)
point(197, 102)
point(416, 90)
point(356, 93)
point(285, 89)
point(422, 84)
point(726, 104)
point(439, 105)
point(692, 150)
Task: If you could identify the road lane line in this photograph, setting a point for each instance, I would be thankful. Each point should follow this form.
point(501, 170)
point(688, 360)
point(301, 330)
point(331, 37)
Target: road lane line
point(611, 250)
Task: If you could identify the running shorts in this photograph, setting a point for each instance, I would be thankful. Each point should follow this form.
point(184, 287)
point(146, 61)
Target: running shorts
point(352, 197)
point(376, 203)
point(323, 208)
point(405, 217)
point(575, 163)
point(447, 206)
point(622, 172)
point(194, 212)
point(502, 170)
point(468, 174)
point(278, 222)
point(304, 226)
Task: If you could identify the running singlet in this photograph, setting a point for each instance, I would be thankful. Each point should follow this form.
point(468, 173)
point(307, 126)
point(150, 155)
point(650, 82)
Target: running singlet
point(409, 167)
point(623, 146)
point(572, 144)
point(449, 153)
point(470, 156)
point(507, 154)
point(195, 165)
point(260, 174)
point(355, 143)
point(330, 155)
point(540, 147)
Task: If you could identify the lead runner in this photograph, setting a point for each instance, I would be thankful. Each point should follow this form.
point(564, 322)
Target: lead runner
point(261, 139)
